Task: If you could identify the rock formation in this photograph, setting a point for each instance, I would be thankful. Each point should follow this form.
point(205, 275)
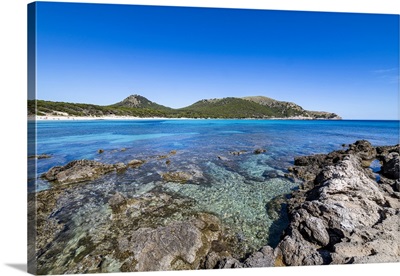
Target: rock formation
point(77, 171)
point(342, 215)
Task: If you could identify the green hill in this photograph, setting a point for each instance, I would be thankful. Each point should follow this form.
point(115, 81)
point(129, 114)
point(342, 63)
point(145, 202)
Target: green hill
point(138, 106)
point(289, 109)
point(137, 101)
point(227, 108)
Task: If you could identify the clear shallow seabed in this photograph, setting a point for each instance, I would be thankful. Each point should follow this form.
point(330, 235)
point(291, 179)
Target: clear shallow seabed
point(237, 190)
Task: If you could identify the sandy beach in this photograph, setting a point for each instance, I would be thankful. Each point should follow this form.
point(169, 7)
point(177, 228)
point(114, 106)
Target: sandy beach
point(85, 118)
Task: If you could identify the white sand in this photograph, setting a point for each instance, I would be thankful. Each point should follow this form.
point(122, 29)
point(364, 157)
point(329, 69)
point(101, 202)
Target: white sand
point(73, 118)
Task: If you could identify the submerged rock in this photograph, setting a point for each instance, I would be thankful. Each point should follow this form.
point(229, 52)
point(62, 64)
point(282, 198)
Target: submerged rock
point(39, 156)
point(151, 232)
point(223, 158)
point(135, 163)
point(179, 177)
point(238, 152)
point(77, 171)
point(176, 246)
point(258, 151)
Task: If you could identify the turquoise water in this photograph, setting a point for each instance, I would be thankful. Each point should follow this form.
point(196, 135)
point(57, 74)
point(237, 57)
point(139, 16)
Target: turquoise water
point(201, 140)
point(237, 188)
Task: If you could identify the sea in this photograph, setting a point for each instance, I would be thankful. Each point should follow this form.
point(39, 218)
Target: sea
point(237, 188)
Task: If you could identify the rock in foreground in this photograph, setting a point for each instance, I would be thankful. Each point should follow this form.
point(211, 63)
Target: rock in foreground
point(343, 215)
point(77, 171)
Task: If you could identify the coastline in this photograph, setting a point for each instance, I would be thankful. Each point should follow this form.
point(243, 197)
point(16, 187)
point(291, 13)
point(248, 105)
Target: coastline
point(91, 118)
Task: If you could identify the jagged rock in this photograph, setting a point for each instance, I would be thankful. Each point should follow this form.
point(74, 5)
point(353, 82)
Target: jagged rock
point(390, 167)
point(212, 260)
point(384, 151)
point(298, 252)
point(314, 230)
point(343, 215)
point(229, 263)
point(363, 149)
point(263, 258)
point(77, 171)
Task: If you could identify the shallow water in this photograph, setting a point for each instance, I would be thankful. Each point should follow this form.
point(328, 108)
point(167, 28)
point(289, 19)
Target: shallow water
point(236, 188)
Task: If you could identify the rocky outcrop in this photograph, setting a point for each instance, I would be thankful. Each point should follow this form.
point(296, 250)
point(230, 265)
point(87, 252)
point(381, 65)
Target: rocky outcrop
point(342, 215)
point(263, 258)
point(77, 171)
point(390, 167)
point(85, 170)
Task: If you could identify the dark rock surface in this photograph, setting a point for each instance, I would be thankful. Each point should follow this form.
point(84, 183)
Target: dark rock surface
point(263, 258)
point(259, 151)
point(390, 167)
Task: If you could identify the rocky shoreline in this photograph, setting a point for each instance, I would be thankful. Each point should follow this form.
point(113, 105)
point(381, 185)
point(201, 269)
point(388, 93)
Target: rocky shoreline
point(343, 212)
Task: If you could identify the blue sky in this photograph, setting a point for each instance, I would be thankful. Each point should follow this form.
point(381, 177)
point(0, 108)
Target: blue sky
point(339, 62)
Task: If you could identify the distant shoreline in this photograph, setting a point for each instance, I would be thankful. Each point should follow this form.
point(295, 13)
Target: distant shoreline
point(89, 118)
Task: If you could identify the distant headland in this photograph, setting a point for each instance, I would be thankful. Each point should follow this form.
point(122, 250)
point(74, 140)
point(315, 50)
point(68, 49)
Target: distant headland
point(136, 106)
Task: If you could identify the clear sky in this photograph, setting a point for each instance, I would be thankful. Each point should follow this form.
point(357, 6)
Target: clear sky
point(338, 62)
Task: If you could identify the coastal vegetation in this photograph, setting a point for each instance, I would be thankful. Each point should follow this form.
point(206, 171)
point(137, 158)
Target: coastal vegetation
point(258, 107)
